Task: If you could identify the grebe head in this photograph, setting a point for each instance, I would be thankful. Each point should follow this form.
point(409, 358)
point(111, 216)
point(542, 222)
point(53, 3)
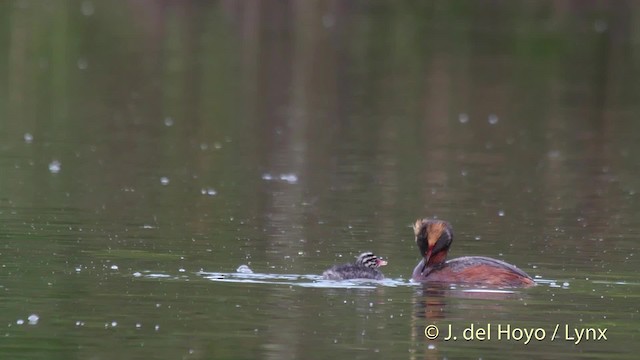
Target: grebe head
point(433, 238)
point(368, 259)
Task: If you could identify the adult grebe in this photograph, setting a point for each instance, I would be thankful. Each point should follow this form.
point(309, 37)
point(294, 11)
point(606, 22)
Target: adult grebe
point(434, 237)
point(366, 267)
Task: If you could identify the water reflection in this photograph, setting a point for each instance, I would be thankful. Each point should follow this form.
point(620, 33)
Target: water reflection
point(437, 320)
point(168, 137)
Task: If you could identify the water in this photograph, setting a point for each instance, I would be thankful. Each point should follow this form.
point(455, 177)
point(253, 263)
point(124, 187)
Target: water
point(148, 151)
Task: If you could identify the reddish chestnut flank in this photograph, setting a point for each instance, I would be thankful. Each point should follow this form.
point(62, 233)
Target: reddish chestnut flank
point(434, 237)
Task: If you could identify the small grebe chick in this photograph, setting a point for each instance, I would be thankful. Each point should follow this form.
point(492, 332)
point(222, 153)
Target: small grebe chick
point(365, 267)
point(434, 237)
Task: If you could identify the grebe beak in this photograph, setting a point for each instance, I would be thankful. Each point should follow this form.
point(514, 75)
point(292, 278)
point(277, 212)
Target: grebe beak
point(381, 262)
point(426, 260)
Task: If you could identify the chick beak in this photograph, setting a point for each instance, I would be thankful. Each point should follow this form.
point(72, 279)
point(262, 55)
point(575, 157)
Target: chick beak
point(381, 262)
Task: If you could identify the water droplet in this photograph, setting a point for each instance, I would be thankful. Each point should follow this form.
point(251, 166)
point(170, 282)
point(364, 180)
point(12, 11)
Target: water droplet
point(181, 270)
point(87, 8)
point(55, 166)
point(114, 267)
point(164, 180)
point(28, 138)
point(244, 269)
point(431, 347)
point(600, 26)
point(493, 119)
point(157, 327)
point(208, 191)
point(463, 118)
point(19, 322)
point(501, 213)
point(83, 64)
point(553, 154)
point(290, 178)
point(328, 20)
point(138, 325)
point(168, 121)
point(33, 319)
point(114, 323)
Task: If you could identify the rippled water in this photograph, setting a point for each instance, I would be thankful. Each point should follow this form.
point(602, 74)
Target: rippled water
point(149, 149)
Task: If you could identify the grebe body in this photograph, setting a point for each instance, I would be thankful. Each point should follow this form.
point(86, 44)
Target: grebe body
point(365, 267)
point(434, 237)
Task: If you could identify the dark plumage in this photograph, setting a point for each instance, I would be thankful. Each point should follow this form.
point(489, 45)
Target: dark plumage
point(365, 267)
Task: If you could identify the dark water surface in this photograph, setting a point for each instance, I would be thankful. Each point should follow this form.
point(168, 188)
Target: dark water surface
point(150, 148)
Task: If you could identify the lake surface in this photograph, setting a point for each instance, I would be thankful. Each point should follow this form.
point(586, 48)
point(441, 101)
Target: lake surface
point(149, 149)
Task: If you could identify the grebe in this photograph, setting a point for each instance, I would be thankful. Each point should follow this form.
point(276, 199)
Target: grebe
point(434, 238)
point(366, 267)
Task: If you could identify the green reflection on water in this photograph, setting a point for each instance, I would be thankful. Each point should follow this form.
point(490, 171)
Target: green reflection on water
point(324, 129)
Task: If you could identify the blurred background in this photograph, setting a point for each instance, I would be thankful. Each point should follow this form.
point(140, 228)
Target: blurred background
point(144, 142)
